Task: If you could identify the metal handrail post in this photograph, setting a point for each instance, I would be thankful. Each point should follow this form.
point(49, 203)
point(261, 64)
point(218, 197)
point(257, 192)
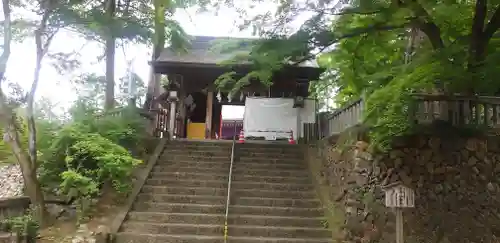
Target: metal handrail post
point(229, 182)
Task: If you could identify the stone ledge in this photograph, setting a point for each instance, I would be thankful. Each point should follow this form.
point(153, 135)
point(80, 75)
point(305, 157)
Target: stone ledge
point(15, 202)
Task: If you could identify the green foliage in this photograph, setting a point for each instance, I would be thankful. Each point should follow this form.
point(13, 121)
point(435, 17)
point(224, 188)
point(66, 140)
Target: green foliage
point(83, 188)
point(80, 161)
point(6, 155)
point(24, 227)
point(363, 49)
point(45, 134)
point(130, 134)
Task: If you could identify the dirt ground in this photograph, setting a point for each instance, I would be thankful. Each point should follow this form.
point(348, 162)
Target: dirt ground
point(102, 214)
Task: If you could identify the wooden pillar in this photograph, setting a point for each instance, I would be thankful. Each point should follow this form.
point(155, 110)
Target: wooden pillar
point(209, 116)
point(181, 130)
point(171, 125)
point(182, 114)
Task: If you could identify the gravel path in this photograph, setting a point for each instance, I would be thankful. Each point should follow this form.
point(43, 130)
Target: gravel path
point(11, 181)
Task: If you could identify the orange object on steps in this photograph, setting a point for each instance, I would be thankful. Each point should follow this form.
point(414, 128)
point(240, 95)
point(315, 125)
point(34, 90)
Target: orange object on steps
point(290, 138)
point(241, 137)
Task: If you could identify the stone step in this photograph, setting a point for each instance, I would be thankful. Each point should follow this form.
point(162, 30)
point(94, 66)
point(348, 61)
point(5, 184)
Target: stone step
point(280, 148)
point(189, 176)
point(194, 146)
point(186, 182)
point(201, 142)
point(181, 208)
point(172, 228)
point(237, 165)
point(125, 237)
point(200, 191)
point(270, 172)
point(193, 157)
point(276, 211)
point(273, 154)
point(220, 209)
point(200, 152)
point(276, 221)
point(176, 218)
point(275, 202)
point(173, 198)
point(128, 237)
point(268, 166)
point(278, 232)
point(273, 179)
point(191, 169)
point(272, 194)
point(218, 219)
point(271, 160)
point(191, 163)
point(7, 238)
point(217, 230)
point(271, 186)
point(269, 146)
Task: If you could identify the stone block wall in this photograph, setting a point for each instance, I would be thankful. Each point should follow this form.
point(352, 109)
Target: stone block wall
point(455, 178)
point(13, 207)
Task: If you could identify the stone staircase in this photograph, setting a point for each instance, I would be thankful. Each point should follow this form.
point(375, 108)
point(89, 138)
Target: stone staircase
point(183, 200)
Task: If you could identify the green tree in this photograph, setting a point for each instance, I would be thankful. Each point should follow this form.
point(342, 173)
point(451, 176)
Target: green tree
point(165, 30)
point(49, 18)
point(362, 44)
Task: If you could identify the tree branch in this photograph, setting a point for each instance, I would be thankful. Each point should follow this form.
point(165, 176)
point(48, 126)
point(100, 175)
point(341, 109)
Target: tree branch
point(7, 38)
point(476, 48)
point(430, 29)
point(493, 25)
point(355, 33)
point(42, 47)
point(432, 32)
point(354, 11)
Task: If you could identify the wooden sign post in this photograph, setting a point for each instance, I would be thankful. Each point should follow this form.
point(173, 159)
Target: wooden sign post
point(398, 196)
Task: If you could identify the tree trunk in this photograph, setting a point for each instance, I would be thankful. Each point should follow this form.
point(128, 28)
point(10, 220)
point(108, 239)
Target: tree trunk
point(7, 119)
point(110, 58)
point(110, 73)
point(33, 189)
point(153, 90)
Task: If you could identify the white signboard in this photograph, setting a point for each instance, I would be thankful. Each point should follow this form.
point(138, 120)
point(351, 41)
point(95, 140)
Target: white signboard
point(276, 117)
point(269, 117)
point(400, 197)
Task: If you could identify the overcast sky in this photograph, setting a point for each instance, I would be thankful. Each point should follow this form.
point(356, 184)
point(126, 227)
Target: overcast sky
point(58, 88)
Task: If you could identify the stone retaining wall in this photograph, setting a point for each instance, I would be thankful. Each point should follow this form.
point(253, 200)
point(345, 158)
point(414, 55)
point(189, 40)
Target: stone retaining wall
point(456, 181)
point(13, 207)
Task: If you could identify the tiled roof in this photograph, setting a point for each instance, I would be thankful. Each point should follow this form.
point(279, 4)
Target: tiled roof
point(208, 50)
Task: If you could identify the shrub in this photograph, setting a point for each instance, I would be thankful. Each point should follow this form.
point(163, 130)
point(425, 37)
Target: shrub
point(23, 227)
point(128, 130)
point(80, 160)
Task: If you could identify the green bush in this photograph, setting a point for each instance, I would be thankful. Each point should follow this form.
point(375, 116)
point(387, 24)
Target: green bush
point(80, 160)
point(45, 131)
point(83, 188)
point(23, 227)
point(128, 130)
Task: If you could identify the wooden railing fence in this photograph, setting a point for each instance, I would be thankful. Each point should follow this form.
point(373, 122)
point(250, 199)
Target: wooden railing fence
point(458, 110)
point(343, 118)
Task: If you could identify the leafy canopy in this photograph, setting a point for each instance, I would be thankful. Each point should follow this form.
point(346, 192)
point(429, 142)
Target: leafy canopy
point(362, 45)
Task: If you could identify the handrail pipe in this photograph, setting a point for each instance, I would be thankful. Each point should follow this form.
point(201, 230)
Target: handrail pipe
point(229, 184)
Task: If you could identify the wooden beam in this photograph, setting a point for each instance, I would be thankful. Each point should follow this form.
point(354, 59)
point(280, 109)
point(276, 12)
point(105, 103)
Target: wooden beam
point(208, 118)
